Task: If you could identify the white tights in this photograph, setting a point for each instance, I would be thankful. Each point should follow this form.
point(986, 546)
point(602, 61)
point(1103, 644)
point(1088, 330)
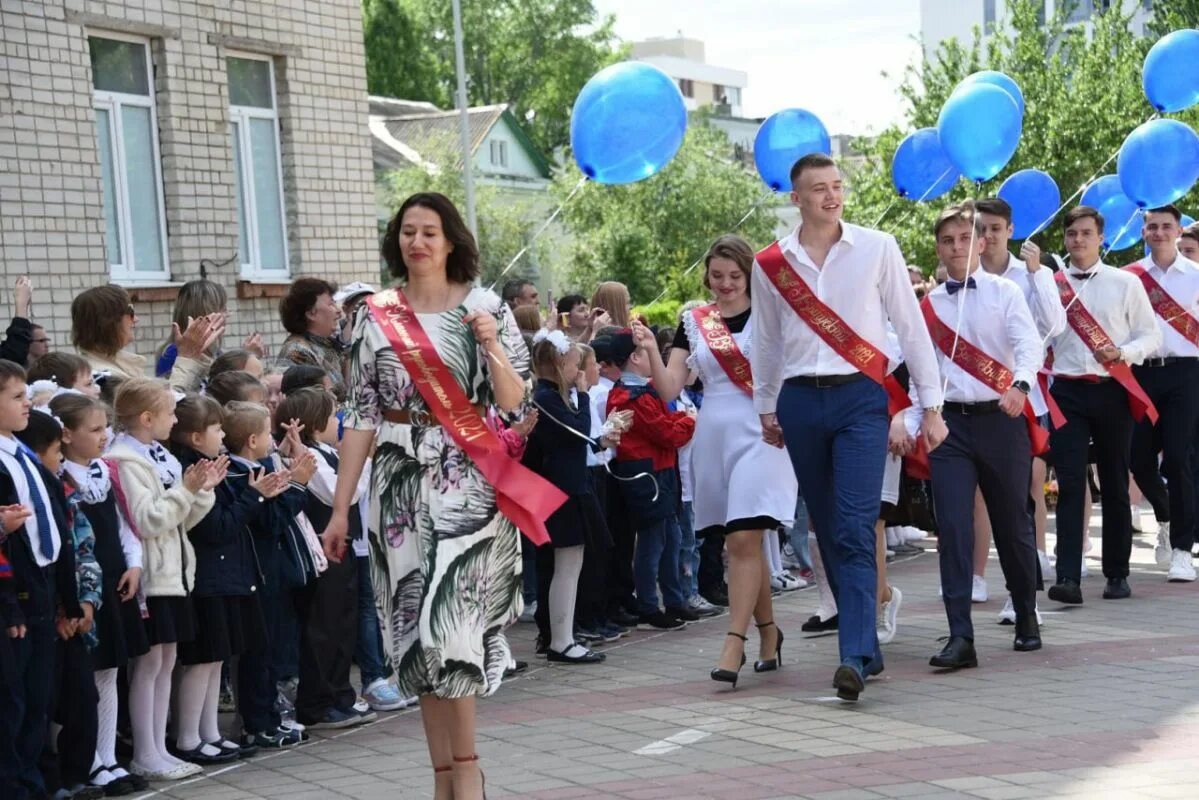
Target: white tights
point(564, 588)
point(197, 706)
point(149, 704)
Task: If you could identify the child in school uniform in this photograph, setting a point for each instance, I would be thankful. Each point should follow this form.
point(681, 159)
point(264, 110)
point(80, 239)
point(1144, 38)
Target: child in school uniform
point(37, 546)
point(228, 615)
point(161, 500)
point(328, 607)
point(119, 630)
point(67, 370)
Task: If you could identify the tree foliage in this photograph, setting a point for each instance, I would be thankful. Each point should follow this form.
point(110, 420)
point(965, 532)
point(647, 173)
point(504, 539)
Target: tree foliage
point(534, 54)
point(1082, 96)
point(646, 234)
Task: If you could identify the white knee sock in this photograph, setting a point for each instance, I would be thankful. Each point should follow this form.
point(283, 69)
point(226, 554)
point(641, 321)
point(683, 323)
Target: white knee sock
point(568, 563)
point(106, 713)
point(143, 678)
point(828, 603)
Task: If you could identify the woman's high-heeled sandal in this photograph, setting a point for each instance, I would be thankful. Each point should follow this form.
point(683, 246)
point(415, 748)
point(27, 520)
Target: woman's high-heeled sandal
point(482, 776)
point(728, 675)
point(770, 665)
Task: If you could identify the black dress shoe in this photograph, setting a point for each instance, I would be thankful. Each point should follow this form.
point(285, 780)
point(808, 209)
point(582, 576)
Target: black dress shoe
point(685, 614)
point(817, 625)
point(1117, 589)
point(717, 597)
point(1028, 635)
point(575, 654)
point(848, 682)
point(957, 653)
point(623, 618)
point(1067, 591)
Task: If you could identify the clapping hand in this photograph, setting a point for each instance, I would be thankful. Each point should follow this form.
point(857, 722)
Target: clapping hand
point(254, 344)
point(269, 484)
point(526, 424)
point(643, 337)
point(22, 296)
point(292, 445)
point(201, 334)
point(303, 467)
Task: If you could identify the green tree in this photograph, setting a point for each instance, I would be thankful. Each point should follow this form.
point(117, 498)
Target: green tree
point(1170, 15)
point(646, 234)
point(505, 224)
point(1082, 97)
point(534, 54)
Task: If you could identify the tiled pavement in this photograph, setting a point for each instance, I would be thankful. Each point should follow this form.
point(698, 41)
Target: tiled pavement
point(1108, 709)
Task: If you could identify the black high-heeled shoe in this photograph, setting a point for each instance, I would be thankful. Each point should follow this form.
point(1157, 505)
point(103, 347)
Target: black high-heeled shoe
point(770, 665)
point(728, 675)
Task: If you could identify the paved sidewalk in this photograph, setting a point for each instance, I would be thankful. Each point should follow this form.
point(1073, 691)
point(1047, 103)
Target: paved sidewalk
point(1107, 709)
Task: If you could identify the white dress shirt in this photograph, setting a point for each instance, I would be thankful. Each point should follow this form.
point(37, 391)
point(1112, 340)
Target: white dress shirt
point(598, 395)
point(8, 457)
point(1118, 302)
point(865, 281)
point(1181, 282)
point(1040, 292)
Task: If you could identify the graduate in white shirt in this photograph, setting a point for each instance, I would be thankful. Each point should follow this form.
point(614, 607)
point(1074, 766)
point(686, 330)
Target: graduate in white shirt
point(1096, 406)
point(982, 321)
point(1040, 292)
point(1170, 376)
point(818, 387)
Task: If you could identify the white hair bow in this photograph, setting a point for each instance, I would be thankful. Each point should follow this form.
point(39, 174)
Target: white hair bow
point(556, 338)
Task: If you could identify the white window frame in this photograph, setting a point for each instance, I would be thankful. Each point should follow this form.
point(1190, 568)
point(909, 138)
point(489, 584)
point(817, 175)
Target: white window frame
point(126, 272)
point(499, 152)
point(242, 115)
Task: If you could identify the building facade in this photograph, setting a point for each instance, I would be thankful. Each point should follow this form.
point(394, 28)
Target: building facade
point(701, 83)
point(152, 143)
point(942, 20)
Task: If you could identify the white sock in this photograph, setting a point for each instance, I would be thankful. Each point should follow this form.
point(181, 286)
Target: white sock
point(568, 563)
point(143, 678)
point(106, 713)
point(774, 556)
point(190, 695)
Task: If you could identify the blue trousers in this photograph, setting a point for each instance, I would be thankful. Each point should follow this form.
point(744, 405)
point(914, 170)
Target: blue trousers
point(837, 440)
point(369, 652)
point(656, 563)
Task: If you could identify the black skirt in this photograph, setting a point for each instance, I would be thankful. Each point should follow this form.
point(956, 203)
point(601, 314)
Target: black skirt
point(120, 632)
point(171, 620)
point(225, 627)
point(579, 521)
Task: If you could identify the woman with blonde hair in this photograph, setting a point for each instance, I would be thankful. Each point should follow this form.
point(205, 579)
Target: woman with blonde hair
point(613, 297)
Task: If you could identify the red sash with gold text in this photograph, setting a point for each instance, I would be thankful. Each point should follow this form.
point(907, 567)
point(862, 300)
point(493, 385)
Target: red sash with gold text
point(720, 341)
point(983, 368)
point(825, 323)
point(1095, 337)
point(523, 496)
point(1166, 307)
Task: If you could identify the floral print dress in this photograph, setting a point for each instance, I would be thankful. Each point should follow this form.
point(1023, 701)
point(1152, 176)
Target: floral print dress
point(445, 564)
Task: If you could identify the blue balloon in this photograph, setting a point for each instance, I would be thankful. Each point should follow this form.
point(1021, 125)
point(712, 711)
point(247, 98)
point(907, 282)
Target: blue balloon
point(627, 123)
point(784, 138)
point(1122, 218)
point(980, 127)
point(1170, 77)
point(1034, 197)
point(1159, 162)
point(920, 169)
point(999, 79)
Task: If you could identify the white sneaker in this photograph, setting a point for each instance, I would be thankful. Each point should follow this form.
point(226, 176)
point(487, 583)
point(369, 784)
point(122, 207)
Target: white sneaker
point(1084, 571)
point(1182, 570)
point(912, 533)
point(1137, 521)
point(1163, 552)
point(790, 559)
point(527, 614)
point(888, 617)
point(1008, 615)
point(786, 582)
point(702, 607)
point(1048, 573)
point(978, 594)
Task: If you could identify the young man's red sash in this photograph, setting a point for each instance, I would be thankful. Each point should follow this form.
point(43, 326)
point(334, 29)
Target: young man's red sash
point(1166, 307)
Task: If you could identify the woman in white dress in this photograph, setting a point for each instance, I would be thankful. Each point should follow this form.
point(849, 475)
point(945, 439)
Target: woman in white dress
point(743, 486)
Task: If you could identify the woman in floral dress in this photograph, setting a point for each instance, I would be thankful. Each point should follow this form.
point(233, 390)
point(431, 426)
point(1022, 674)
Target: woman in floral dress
point(446, 564)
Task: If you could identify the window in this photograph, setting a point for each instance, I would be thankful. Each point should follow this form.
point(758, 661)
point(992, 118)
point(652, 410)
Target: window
point(687, 87)
point(989, 16)
point(1080, 10)
point(499, 152)
point(257, 167)
point(130, 170)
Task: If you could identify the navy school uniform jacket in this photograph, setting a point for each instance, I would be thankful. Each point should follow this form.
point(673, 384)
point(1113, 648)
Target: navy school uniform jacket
point(39, 593)
point(554, 452)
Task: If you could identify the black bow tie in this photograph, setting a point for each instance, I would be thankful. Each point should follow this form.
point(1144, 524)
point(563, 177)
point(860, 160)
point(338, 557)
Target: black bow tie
point(953, 286)
point(1082, 276)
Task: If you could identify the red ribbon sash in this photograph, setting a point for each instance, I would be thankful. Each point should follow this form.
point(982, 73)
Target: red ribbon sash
point(825, 323)
point(983, 368)
point(720, 341)
point(1087, 328)
point(523, 496)
point(1166, 307)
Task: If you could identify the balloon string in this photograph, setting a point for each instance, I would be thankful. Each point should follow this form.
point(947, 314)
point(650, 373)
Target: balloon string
point(920, 199)
point(540, 231)
point(769, 193)
point(1083, 187)
point(1119, 233)
point(886, 211)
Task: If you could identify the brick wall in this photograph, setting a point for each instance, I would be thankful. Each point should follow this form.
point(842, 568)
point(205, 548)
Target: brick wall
point(51, 212)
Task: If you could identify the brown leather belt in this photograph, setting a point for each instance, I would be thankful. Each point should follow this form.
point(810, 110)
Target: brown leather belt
point(402, 416)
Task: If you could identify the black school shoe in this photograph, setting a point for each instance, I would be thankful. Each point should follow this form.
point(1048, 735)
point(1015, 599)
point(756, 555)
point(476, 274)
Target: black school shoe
point(661, 621)
point(685, 614)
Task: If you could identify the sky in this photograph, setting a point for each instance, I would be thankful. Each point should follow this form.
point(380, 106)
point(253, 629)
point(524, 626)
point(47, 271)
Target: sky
point(825, 56)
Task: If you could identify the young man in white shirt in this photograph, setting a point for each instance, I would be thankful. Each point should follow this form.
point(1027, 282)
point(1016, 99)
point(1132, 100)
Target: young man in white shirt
point(1097, 395)
point(1170, 376)
point(822, 299)
point(1040, 292)
point(989, 352)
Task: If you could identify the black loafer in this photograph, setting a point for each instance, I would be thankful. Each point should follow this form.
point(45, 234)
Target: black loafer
point(958, 653)
point(1117, 589)
point(587, 657)
point(1067, 591)
point(1028, 635)
point(817, 625)
point(848, 682)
